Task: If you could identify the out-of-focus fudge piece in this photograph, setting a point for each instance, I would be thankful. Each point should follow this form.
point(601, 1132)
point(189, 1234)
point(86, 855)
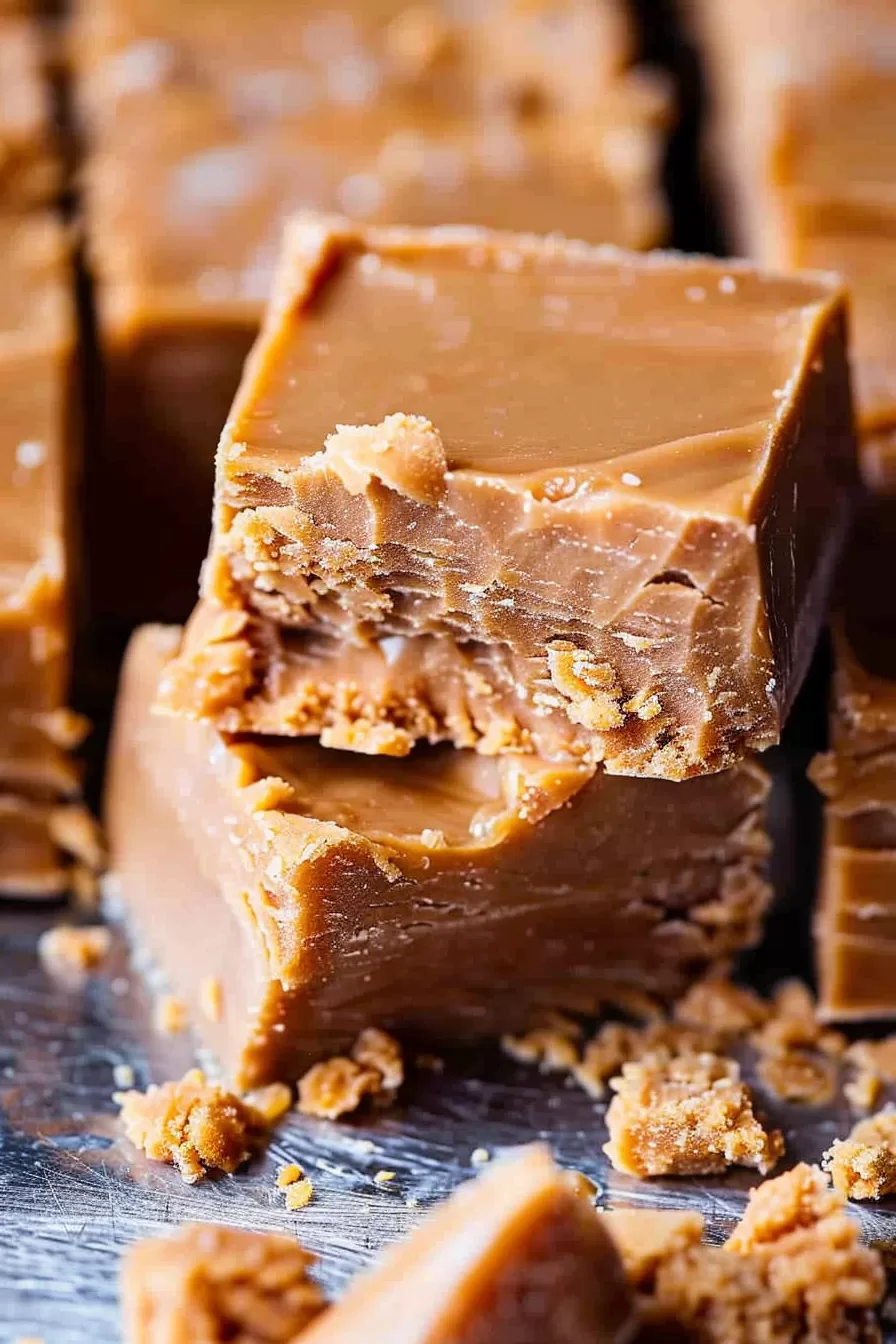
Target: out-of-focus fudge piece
point(445, 895)
point(210, 1283)
point(629, 476)
point(515, 1257)
point(207, 125)
point(804, 99)
point(856, 920)
point(30, 171)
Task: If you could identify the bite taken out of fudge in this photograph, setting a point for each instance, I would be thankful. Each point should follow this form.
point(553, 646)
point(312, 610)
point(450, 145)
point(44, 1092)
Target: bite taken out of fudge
point(524, 494)
point(446, 895)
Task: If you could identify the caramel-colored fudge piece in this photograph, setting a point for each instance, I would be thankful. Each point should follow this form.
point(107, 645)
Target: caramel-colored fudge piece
point(29, 164)
point(855, 923)
point(205, 1284)
point(803, 98)
point(605, 508)
point(688, 1116)
point(863, 1166)
point(447, 894)
point(513, 1256)
point(208, 124)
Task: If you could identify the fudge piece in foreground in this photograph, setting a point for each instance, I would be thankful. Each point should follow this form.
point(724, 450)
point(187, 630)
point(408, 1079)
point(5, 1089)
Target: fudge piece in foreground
point(515, 1257)
point(628, 476)
point(37, 732)
point(447, 894)
point(30, 168)
point(208, 124)
point(804, 95)
point(209, 1283)
point(855, 925)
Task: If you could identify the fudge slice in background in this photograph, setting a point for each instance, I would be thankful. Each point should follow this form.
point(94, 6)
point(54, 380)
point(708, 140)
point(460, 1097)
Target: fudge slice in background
point(447, 895)
point(803, 105)
point(607, 492)
point(206, 124)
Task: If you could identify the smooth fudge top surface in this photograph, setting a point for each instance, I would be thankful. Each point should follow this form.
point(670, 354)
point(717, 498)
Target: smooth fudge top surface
point(665, 375)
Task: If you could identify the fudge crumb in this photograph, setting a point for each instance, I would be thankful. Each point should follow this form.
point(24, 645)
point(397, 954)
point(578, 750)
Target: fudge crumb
point(875, 1064)
point(863, 1166)
point(794, 1025)
point(688, 1116)
point(338, 1086)
point(272, 1102)
point(69, 952)
point(170, 1016)
point(863, 1090)
point(616, 1043)
point(720, 1006)
point(582, 1185)
point(797, 1076)
point(192, 1125)
point(591, 687)
point(123, 1076)
point(551, 1048)
point(480, 1156)
point(299, 1194)
point(211, 998)
point(288, 1175)
point(384, 1177)
point(219, 1283)
point(646, 1237)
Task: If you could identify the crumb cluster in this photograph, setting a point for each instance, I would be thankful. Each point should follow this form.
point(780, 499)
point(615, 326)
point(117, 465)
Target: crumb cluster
point(374, 1071)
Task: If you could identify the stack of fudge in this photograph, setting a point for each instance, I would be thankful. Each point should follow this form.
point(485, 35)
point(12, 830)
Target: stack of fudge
point(804, 104)
point(41, 828)
point(521, 548)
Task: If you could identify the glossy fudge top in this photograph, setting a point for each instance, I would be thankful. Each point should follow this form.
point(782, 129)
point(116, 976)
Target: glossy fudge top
point(666, 376)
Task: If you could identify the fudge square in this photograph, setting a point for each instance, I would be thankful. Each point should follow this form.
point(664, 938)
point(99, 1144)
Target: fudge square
point(207, 124)
point(855, 926)
point(307, 893)
point(605, 491)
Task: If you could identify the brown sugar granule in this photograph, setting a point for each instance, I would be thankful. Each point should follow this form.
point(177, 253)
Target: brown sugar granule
point(191, 1124)
point(338, 1086)
point(170, 1016)
point(718, 1005)
point(688, 1116)
point(863, 1166)
point(218, 1283)
point(617, 1043)
point(70, 953)
point(798, 1076)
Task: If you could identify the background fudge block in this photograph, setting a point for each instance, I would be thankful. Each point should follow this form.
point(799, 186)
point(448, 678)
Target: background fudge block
point(207, 125)
point(30, 170)
point(36, 466)
point(631, 475)
point(447, 894)
point(804, 95)
point(515, 1257)
point(856, 918)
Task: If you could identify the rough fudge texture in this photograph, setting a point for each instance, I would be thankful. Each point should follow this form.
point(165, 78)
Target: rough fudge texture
point(29, 164)
point(208, 124)
point(863, 1166)
point(638, 511)
point(514, 1257)
point(37, 732)
point(205, 1284)
point(855, 927)
point(804, 94)
point(793, 1270)
point(447, 894)
point(687, 1116)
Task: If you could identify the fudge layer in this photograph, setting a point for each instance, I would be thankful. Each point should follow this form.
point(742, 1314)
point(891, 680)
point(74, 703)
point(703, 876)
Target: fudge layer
point(515, 1257)
point(206, 126)
point(446, 895)
point(804, 101)
point(856, 918)
point(614, 486)
point(37, 732)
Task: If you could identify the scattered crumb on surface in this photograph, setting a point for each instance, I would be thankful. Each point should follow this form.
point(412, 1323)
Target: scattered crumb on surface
point(875, 1065)
point(863, 1165)
point(191, 1124)
point(616, 1043)
point(480, 1156)
point(298, 1194)
point(288, 1175)
point(169, 1015)
point(687, 1116)
point(211, 998)
point(554, 1048)
point(384, 1177)
point(794, 1025)
point(70, 952)
point(219, 1283)
point(272, 1101)
point(793, 1271)
point(123, 1075)
point(798, 1076)
point(720, 1006)
point(339, 1085)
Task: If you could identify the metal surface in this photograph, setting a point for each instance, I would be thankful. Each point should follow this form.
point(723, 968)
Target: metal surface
point(73, 1193)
